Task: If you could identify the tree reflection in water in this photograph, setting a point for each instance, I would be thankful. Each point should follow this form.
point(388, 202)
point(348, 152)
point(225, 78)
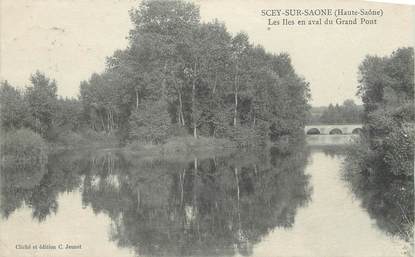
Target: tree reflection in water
point(388, 199)
point(37, 185)
point(211, 206)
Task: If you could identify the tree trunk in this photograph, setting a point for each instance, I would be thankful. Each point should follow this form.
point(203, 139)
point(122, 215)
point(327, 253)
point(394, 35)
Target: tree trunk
point(214, 85)
point(236, 107)
point(194, 102)
point(182, 177)
point(235, 115)
point(195, 210)
point(163, 83)
point(136, 99)
point(253, 115)
point(102, 122)
point(112, 120)
point(109, 121)
point(194, 111)
point(138, 200)
point(114, 126)
point(238, 205)
point(181, 116)
point(237, 185)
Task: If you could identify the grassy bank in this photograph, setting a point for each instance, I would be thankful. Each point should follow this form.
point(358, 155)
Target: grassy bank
point(182, 147)
point(84, 139)
point(186, 148)
point(24, 146)
point(26, 143)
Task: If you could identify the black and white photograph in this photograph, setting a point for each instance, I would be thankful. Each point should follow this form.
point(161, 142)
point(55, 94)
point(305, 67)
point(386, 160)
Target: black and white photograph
point(206, 128)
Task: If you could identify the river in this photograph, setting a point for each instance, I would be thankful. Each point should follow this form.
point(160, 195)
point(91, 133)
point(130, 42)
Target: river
point(278, 202)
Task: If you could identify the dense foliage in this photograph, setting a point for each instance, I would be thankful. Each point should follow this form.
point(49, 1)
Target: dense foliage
point(387, 90)
point(381, 166)
point(22, 146)
point(347, 113)
point(37, 107)
point(177, 76)
point(178, 72)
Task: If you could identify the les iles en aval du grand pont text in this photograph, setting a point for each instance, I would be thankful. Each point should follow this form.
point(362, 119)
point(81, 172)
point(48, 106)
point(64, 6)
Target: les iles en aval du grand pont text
point(329, 16)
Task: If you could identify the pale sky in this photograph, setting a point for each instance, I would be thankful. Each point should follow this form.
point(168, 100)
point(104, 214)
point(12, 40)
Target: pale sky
point(69, 39)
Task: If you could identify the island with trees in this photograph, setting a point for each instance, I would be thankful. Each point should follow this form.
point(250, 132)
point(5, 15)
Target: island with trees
point(178, 78)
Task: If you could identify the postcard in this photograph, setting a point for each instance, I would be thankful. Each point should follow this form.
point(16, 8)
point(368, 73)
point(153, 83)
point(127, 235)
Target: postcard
point(267, 128)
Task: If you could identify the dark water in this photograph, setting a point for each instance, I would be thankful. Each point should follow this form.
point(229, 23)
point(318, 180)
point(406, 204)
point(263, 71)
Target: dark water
point(278, 202)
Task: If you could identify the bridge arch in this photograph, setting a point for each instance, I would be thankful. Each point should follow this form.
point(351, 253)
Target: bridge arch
point(335, 131)
point(357, 131)
point(313, 131)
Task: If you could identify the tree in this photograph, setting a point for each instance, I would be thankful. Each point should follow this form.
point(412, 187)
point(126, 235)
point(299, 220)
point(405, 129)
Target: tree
point(41, 97)
point(346, 113)
point(240, 47)
point(210, 83)
point(150, 123)
point(68, 114)
point(13, 108)
point(386, 88)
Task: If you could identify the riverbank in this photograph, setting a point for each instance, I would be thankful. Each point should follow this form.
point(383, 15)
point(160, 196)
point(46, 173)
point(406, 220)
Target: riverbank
point(385, 194)
point(181, 148)
point(178, 147)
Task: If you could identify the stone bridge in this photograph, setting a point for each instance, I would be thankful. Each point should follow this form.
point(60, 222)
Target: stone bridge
point(332, 129)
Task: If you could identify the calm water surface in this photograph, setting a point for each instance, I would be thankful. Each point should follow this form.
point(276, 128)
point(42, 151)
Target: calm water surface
point(279, 202)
